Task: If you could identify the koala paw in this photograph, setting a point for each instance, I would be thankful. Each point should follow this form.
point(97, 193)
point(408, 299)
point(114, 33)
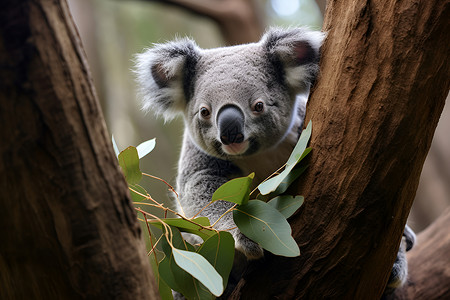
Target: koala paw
point(248, 247)
point(399, 272)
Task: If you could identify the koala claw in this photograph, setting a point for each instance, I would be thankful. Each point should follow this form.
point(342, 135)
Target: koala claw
point(399, 272)
point(248, 247)
point(410, 238)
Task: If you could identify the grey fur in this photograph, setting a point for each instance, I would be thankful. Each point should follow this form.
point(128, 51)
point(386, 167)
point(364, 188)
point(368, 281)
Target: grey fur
point(179, 78)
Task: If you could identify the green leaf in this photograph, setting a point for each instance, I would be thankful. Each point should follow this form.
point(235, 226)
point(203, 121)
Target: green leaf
point(200, 268)
point(219, 251)
point(287, 205)
point(177, 278)
point(301, 145)
point(272, 184)
point(186, 226)
point(190, 227)
point(134, 190)
point(116, 149)
point(299, 152)
point(181, 281)
point(146, 147)
point(177, 242)
point(236, 190)
point(285, 183)
point(178, 222)
point(129, 162)
point(166, 274)
point(164, 290)
point(266, 226)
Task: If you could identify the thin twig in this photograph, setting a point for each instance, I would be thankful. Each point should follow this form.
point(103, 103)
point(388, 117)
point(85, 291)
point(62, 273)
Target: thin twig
point(170, 188)
point(230, 209)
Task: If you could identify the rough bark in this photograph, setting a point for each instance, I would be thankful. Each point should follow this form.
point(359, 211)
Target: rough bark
point(67, 226)
point(429, 264)
point(385, 75)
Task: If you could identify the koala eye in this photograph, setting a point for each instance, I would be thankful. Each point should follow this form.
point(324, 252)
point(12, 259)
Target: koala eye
point(204, 112)
point(258, 107)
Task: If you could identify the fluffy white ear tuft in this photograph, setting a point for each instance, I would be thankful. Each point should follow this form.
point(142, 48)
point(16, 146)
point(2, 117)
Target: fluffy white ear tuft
point(297, 49)
point(164, 74)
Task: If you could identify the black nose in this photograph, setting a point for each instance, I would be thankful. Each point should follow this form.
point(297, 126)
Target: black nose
point(230, 121)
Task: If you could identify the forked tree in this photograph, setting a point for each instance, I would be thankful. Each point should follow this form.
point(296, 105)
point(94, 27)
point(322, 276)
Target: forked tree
point(67, 225)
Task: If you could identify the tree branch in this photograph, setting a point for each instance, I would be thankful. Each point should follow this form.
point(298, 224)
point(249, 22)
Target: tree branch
point(240, 21)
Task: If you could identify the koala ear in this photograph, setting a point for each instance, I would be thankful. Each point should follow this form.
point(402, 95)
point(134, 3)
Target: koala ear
point(295, 53)
point(164, 74)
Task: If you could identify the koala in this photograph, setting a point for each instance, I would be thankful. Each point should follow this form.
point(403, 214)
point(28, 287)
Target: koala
point(243, 109)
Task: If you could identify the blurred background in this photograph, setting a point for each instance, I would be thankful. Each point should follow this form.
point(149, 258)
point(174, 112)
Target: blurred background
point(113, 31)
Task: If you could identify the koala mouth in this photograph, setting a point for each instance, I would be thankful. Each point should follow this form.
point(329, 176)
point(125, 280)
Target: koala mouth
point(236, 148)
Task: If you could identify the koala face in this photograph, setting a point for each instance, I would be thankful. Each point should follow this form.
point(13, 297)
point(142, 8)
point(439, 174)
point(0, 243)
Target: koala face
point(236, 101)
point(237, 106)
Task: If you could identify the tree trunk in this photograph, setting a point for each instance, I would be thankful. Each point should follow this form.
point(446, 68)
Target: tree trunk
point(385, 75)
point(68, 229)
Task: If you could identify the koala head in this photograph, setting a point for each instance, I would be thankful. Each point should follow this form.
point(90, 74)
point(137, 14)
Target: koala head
point(237, 100)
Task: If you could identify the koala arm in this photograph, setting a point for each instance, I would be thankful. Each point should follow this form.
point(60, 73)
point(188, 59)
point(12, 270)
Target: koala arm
point(199, 176)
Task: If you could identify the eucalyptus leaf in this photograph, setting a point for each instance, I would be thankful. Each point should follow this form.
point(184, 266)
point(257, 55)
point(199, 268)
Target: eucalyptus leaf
point(177, 242)
point(286, 182)
point(299, 152)
point(182, 258)
point(265, 225)
point(187, 226)
point(190, 227)
point(136, 192)
point(174, 276)
point(146, 147)
point(166, 274)
point(129, 162)
point(236, 190)
point(200, 268)
point(178, 222)
point(116, 149)
point(181, 281)
point(219, 251)
point(271, 185)
point(287, 205)
point(301, 145)
point(164, 289)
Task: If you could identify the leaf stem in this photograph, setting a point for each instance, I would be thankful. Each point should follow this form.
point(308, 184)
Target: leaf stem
point(228, 210)
point(170, 188)
point(150, 235)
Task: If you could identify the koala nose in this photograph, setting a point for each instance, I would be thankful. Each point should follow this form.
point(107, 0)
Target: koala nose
point(230, 121)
